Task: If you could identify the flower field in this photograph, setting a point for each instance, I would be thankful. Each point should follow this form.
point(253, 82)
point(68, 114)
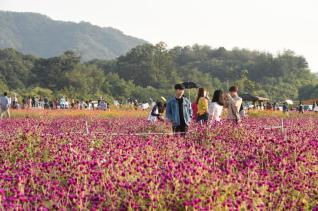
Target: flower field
point(84, 161)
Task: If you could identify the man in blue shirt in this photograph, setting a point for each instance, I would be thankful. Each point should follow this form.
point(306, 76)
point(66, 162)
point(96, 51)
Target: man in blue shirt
point(179, 111)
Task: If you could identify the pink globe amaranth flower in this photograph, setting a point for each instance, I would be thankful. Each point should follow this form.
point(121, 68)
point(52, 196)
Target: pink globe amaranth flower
point(149, 163)
point(2, 192)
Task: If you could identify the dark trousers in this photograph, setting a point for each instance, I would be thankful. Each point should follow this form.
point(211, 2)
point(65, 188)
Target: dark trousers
point(203, 118)
point(180, 129)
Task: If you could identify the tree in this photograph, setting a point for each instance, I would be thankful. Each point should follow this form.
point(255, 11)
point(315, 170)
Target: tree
point(42, 92)
point(51, 73)
point(148, 65)
point(15, 68)
point(152, 70)
point(3, 86)
point(85, 79)
point(117, 87)
point(245, 85)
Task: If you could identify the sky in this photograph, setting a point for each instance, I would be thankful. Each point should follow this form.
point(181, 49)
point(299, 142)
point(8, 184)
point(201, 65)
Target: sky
point(268, 25)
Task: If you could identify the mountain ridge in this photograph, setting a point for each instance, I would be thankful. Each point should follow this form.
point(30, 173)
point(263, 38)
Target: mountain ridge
point(40, 35)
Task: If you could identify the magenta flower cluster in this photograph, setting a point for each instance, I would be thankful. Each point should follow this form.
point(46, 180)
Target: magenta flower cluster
point(52, 164)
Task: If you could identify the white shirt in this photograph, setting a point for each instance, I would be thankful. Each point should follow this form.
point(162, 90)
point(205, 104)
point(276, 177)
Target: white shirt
point(215, 111)
point(153, 118)
point(145, 106)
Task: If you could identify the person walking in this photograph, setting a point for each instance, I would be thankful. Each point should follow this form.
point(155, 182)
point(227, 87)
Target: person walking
point(203, 106)
point(315, 107)
point(285, 108)
point(135, 104)
point(24, 103)
point(233, 104)
point(216, 106)
point(4, 106)
point(102, 105)
point(46, 103)
point(29, 102)
point(179, 111)
point(301, 107)
point(33, 102)
point(15, 102)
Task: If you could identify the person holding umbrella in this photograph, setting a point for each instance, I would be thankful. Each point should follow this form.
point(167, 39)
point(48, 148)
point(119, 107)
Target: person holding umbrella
point(179, 111)
point(301, 107)
point(192, 85)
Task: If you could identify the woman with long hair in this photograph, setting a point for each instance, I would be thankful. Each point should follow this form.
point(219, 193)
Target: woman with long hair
point(203, 104)
point(216, 106)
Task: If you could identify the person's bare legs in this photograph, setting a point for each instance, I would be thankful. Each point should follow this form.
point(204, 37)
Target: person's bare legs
point(8, 113)
point(5, 113)
point(1, 113)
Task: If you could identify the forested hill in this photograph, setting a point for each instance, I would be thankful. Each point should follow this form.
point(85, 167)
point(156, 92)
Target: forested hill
point(152, 70)
point(39, 35)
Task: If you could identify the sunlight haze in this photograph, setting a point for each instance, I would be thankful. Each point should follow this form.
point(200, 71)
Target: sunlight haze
point(270, 26)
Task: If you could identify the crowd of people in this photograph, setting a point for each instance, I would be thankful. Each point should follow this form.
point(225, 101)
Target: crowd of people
point(61, 103)
point(180, 111)
point(7, 103)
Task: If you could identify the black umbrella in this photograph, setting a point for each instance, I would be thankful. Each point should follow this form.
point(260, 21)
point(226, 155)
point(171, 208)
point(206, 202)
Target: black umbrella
point(191, 85)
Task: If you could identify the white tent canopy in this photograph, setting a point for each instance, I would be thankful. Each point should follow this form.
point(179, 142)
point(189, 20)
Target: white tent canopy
point(289, 102)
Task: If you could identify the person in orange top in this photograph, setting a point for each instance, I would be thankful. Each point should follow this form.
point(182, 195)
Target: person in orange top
point(203, 106)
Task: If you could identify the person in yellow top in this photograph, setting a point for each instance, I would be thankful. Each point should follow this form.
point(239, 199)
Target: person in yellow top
point(203, 106)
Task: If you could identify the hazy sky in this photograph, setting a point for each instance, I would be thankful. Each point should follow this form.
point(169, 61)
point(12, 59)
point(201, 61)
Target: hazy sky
point(267, 25)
